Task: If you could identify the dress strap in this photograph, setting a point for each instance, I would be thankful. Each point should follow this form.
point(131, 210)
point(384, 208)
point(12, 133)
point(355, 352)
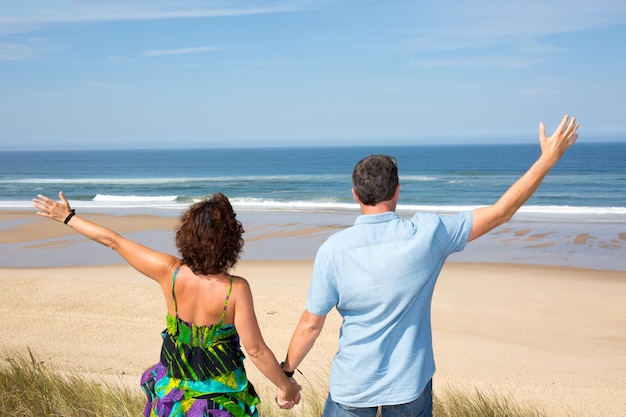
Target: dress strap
point(230, 287)
point(173, 294)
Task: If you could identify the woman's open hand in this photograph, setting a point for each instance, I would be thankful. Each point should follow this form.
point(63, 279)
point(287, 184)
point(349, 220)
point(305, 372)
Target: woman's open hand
point(52, 209)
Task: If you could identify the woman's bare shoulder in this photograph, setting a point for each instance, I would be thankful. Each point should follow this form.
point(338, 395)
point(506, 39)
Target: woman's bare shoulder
point(241, 287)
point(240, 281)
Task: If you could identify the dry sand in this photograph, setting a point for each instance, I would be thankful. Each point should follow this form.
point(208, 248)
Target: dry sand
point(549, 337)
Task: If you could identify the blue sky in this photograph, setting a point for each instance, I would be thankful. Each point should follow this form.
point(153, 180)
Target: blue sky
point(163, 74)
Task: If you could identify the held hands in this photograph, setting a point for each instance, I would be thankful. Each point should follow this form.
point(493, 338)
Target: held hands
point(58, 211)
point(563, 137)
point(287, 399)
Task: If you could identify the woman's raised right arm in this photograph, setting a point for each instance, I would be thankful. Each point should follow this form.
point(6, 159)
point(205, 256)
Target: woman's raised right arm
point(156, 265)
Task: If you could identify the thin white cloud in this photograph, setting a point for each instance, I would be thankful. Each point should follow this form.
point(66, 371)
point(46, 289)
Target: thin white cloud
point(465, 34)
point(182, 51)
point(462, 24)
point(533, 46)
point(84, 12)
point(11, 51)
point(27, 49)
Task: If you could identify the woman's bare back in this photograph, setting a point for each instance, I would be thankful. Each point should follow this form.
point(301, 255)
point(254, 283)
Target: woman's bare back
point(201, 299)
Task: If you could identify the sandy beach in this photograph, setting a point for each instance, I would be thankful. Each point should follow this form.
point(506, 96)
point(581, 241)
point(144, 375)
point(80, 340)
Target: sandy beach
point(550, 337)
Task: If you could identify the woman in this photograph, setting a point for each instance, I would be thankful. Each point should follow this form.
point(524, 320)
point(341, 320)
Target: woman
point(209, 311)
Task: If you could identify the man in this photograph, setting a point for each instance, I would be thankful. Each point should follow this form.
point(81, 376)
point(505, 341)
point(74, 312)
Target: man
point(380, 275)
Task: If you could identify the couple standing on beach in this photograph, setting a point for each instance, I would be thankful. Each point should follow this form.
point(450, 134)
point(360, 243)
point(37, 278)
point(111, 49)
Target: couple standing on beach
point(379, 274)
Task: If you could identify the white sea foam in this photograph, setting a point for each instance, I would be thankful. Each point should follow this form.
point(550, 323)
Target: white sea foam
point(253, 203)
point(134, 198)
point(556, 210)
point(171, 202)
point(419, 178)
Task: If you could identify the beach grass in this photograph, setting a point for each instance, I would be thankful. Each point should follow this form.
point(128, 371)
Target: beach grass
point(456, 403)
point(28, 388)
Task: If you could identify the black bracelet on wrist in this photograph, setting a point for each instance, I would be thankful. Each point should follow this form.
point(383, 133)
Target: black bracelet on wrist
point(69, 216)
point(288, 374)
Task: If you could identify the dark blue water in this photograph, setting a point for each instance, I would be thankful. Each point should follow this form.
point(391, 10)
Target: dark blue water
point(589, 181)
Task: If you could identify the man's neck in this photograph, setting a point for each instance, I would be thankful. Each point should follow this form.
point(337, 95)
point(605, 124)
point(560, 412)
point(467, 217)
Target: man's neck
point(382, 207)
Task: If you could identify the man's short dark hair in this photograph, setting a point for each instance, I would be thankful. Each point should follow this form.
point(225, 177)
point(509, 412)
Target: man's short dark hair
point(375, 179)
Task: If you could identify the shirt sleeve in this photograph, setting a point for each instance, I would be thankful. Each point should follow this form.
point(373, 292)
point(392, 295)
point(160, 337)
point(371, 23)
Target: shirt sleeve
point(459, 228)
point(323, 294)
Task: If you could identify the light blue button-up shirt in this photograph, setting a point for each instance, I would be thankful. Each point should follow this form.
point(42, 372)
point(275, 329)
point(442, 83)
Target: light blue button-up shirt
point(380, 275)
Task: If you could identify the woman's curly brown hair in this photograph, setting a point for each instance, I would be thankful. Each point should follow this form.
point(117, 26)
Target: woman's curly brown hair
point(209, 237)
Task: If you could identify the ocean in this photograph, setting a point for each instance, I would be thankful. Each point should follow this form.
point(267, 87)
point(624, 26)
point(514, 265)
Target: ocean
point(581, 203)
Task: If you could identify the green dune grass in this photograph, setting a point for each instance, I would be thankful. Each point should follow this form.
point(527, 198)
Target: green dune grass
point(30, 389)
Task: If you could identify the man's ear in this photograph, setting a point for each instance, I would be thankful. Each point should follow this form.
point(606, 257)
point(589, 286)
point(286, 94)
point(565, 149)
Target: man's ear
point(356, 198)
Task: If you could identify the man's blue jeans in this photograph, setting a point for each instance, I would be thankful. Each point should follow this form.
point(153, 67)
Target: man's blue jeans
point(421, 407)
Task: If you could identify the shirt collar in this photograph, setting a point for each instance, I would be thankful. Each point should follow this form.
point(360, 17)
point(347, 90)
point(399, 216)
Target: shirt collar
point(376, 218)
